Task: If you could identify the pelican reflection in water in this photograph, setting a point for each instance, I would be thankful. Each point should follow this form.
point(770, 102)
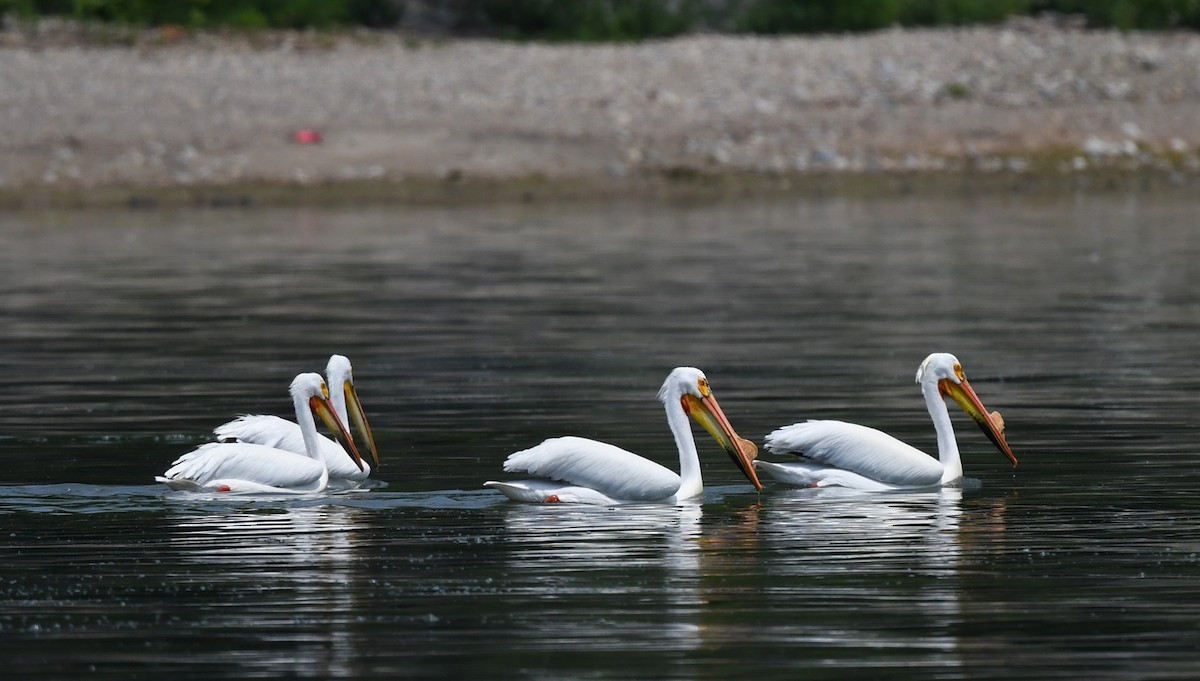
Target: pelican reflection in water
point(571, 557)
point(281, 573)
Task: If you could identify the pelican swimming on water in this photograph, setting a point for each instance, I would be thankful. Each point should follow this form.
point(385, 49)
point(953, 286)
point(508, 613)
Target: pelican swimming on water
point(849, 455)
point(279, 433)
point(579, 470)
point(246, 467)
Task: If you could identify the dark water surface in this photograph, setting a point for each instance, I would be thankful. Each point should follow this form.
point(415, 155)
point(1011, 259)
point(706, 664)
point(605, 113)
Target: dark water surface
point(475, 332)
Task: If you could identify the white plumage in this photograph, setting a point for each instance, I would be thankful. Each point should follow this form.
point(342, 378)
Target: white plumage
point(242, 467)
point(616, 474)
point(849, 455)
point(579, 470)
point(265, 429)
point(278, 433)
point(248, 467)
point(837, 452)
point(866, 451)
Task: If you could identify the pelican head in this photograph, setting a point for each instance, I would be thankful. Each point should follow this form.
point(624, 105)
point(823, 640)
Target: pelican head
point(342, 379)
point(690, 386)
point(944, 370)
point(310, 389)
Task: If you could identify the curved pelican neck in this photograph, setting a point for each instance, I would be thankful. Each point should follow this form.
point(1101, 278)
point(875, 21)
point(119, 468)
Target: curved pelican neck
point(690, 482)
point(337, 374)
point(947, 445)
point(308, 427)
point(338, 399)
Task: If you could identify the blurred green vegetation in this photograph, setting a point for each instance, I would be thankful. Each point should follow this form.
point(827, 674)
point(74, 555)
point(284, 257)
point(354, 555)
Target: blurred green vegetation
point(812, 16)
point(587, 20)
point(593, 20)
point(1134, 14)
point(217, 13)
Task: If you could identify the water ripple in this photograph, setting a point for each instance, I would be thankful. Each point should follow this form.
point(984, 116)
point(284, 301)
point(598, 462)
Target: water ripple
point(480, 331)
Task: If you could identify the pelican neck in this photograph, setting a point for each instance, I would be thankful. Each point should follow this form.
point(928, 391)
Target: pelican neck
point(947, 446)
point(690, 481)
point(308, 427)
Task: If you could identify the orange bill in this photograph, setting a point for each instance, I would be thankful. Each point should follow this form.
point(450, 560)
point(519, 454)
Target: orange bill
point(991, 425)
point(355, 411)
point(322, 408)
point(708, 414)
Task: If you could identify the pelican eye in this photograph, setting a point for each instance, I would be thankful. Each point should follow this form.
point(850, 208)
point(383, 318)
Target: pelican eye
point(324, 390)
point(702, 386)
point(958, 372)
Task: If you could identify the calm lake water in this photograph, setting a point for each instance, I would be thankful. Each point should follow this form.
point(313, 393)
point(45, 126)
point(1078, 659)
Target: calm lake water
point(475, 332)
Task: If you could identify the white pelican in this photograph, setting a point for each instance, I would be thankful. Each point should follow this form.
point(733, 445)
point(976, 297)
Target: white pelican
point(849, 455)
point(278, 433)
point(246, 467)
point(579, 470)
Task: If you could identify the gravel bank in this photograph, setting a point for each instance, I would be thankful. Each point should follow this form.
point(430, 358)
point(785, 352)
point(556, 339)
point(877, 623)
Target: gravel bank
point(168, 111)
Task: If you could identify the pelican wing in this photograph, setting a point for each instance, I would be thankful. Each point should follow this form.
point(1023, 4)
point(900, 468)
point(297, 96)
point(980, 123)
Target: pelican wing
point(858, 449)
point(610, 470)
point(278, 433)
point(244, 467)
point(258, 429)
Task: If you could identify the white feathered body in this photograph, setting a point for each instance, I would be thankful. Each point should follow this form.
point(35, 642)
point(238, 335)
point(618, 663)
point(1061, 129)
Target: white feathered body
point(850, 455)
point(243, 467)
point(279, 433)
point(579, 470)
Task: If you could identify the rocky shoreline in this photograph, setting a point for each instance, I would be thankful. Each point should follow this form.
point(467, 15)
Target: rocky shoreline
point(164, 116)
